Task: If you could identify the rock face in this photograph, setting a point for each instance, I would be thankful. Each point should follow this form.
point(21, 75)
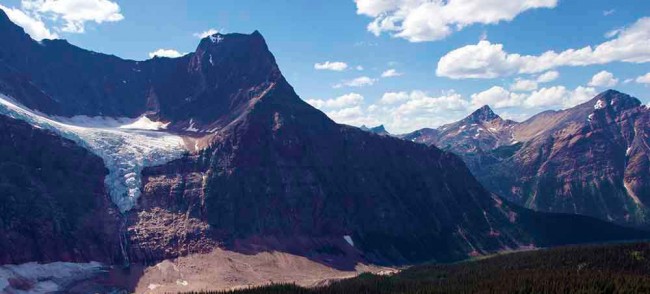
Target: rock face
point(268, 171)
point(54, 205)
point(591, 159)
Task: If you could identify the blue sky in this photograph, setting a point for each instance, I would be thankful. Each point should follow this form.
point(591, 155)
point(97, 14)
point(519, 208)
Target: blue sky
point(448, 58)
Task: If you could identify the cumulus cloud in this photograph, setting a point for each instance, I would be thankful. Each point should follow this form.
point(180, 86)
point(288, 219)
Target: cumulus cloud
point(486, 60)
point(497, 97)
point(334, 66)
point(171, 53)
point(344, 101)
point(603, 79)
point(406, 111)
point(524, 85)
point(394, 97)
point(391, 73)
point(207, 33)
point(548, 76)
point(546, 98)
point(425, 20)
point(559, 96)
point(357, 82)
point(74, 13)
point(69, 16)
point(644, 79)
point(33, 26)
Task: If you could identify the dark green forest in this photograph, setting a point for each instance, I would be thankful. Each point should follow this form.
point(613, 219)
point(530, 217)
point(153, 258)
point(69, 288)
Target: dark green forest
point(617, 268)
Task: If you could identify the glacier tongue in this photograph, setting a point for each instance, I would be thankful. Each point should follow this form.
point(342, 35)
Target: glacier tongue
point(125, 148)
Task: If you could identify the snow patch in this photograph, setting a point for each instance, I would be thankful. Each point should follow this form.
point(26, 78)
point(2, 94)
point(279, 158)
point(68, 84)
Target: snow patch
point(216, 38)
point(127, 146)
point(348, 239)
point(211, 62)
point(600, 104)
point(47, 278)
point(144, 123)
point(191, 128)
point(632, 195)
point(627, 151)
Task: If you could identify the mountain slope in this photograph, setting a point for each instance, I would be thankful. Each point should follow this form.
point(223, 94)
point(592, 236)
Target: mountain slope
point(591, 159)
point(54, 204)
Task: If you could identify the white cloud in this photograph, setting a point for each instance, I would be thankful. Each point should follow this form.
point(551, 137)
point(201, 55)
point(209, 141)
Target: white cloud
point(334, 65)
point(359, 68)
point(420, 103)
point(644, 79)
point(391, 73)
point(523, 85)
point(33, 26)
point(348, 115)
point(205, 34)
point(357, 82)
point(603, 79)
point(548, 76)
point(405, 111)
point(559, 96)
point(74, 13)
point(425, 20)
point(394, 97)
point(347, 100)
point(497, 97)
point(609, 12)
point(171, 53)
point(486, 60)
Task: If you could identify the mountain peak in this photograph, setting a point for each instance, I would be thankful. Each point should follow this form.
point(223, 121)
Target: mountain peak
point(484, 113)
point(613, 99)
point(380, 129)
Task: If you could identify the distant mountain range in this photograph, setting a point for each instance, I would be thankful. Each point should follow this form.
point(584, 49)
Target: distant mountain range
point(215, 150)
point(592, 159)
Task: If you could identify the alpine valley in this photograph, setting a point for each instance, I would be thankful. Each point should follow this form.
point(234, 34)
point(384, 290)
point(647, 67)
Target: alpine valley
point(208, 172)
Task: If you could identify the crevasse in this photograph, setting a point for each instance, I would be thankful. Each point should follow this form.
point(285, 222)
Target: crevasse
point(126, 145)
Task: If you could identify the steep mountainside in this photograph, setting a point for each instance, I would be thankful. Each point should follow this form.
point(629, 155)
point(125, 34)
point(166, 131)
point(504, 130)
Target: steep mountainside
point(591, 159)
point(54, 204)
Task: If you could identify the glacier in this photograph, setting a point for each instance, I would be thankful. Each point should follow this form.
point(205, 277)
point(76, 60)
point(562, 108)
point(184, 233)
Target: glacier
point(126, 145)
point(48, 277)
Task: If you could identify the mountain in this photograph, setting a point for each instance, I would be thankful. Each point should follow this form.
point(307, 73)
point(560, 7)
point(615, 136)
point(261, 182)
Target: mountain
point(472, 137)
point(480, 131)
point(215, 150)
point(591, 159)
point(380, 130)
